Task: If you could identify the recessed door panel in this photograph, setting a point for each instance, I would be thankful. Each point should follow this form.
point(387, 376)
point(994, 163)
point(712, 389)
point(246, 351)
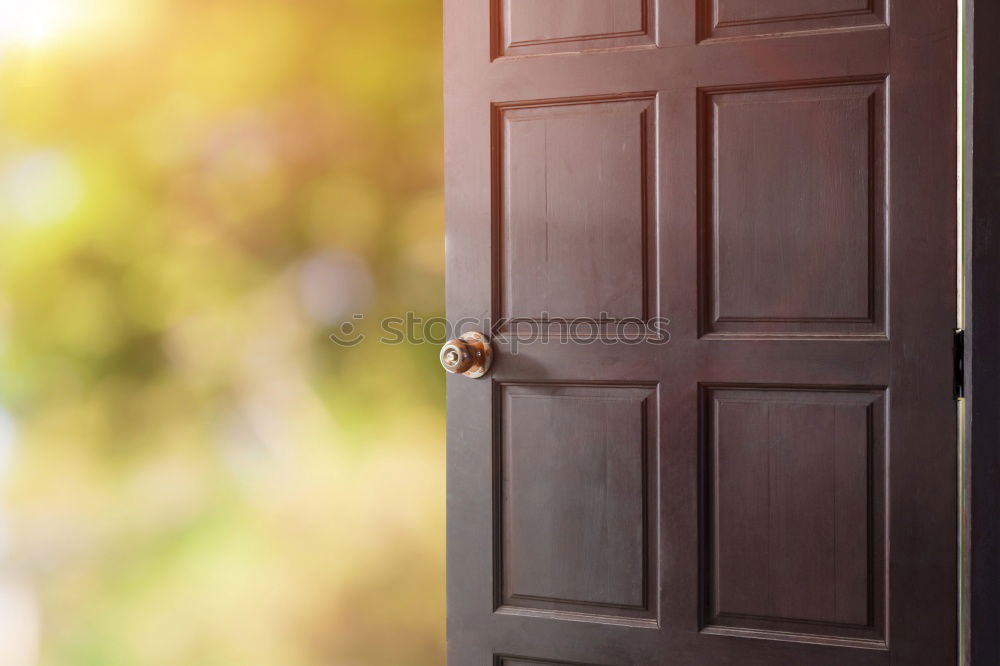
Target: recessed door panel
point(574, 498)
point(795, 485)
point(524, 661)
point(794, 189)
point(743, 18)
point(525, 27)
point(575, 194)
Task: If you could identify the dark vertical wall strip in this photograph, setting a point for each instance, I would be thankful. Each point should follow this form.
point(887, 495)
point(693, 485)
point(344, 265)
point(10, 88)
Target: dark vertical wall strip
point(984, 292)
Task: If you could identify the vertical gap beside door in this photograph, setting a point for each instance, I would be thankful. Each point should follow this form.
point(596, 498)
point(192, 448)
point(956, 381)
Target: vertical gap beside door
point(964, 199)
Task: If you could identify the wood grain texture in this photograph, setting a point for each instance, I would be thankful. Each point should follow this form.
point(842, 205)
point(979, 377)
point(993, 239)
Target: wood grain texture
point(526, 661)
point(575, 184)
point(794, 188)
point(795, 480)
point(748, 18)
point(575, 490)
point(533, 27)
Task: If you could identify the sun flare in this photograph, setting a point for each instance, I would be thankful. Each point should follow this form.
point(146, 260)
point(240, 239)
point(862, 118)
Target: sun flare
point(35, 23)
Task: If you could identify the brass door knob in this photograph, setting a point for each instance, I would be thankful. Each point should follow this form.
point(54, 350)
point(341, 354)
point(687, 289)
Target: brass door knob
point(469, 355)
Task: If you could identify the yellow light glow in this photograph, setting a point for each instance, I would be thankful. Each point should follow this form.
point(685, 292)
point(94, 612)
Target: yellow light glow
point(35, 23)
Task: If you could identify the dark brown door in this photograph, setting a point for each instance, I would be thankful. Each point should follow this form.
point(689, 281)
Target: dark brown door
point(777, 484)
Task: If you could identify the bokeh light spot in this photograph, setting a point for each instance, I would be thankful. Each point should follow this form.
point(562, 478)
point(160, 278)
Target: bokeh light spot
point(41, 187)
point(334, 285)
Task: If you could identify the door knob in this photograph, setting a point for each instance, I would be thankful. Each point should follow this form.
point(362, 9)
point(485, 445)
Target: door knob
point(469, 355)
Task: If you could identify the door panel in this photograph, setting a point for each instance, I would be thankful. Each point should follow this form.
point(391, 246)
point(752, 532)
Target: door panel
point(555, 219)
point(796, 521)
point(575, 481)
point(785, 256)
point(776, 485)
point(742, 18)
point(504, 661)
point(525, 27)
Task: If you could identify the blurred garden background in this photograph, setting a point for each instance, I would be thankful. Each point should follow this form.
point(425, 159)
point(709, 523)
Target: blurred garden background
point(193, 195)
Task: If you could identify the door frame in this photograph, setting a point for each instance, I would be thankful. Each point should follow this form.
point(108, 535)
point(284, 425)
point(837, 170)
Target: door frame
point(981, 277)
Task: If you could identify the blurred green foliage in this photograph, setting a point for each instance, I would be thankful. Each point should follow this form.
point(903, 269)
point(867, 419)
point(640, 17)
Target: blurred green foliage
point(193, 196)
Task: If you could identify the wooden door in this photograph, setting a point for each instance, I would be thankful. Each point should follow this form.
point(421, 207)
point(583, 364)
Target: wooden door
point(777, 484)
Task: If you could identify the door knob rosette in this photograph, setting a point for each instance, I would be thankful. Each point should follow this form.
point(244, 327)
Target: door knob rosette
point(469, 355)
